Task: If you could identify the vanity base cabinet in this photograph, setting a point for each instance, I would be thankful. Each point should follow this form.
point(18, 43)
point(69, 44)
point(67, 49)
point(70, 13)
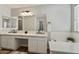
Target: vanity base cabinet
point(37, 45)
point(8, 42)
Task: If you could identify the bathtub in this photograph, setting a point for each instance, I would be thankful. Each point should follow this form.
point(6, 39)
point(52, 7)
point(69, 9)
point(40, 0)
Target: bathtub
point(65, 47)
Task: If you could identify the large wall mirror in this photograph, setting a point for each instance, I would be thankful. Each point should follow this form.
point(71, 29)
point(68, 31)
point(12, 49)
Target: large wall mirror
point(32, 23)
point(8, 22)
point(20, 23)
point(29, 23)
point(5, 22)
point(41, 23)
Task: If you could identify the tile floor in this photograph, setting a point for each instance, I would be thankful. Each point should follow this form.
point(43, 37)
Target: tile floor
point(20, 50)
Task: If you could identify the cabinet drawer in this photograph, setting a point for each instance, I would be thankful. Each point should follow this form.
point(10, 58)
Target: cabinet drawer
point(21, 37)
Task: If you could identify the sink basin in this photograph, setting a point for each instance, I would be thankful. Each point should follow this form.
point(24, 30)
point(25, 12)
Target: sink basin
point(12, 31)
point(40, 32)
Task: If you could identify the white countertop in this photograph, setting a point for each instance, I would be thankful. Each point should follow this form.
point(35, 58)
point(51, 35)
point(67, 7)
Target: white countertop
point(23, 34)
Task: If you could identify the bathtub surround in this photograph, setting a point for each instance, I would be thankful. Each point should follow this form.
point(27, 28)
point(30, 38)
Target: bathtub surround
point(61, 43)
point(64, 47)
point(62, 36)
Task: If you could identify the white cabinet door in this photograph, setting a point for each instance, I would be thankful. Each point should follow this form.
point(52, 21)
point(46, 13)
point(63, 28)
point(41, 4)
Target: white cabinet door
point(0, 23)
point(42, 45)
point(12, 43)
point(32, 45)
point(37, 45)
point(4, 42)
point(8, 42)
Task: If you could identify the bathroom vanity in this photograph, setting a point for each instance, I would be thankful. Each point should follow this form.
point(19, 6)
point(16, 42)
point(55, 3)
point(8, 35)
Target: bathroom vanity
point(37, 43)
point(33, 25)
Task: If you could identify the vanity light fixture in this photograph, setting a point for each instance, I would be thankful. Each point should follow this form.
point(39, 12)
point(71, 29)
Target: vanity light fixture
point(26, 13)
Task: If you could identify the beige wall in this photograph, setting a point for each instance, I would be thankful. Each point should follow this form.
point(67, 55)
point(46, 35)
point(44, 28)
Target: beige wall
point(59, 15)
point(17, 11)
point(29, 23)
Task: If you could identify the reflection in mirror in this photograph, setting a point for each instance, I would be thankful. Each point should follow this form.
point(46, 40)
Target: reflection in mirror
point(32, 23)
point(41, 23)
point(5, 22)
point(41, 27)
point(8, 22)
point(20, 26)
point(29, 23)
point(13, 23)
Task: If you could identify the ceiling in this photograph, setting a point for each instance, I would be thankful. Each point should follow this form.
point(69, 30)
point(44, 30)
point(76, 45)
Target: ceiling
point(19, 5)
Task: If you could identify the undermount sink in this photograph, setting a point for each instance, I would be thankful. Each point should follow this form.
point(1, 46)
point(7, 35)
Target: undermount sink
point(40, 32)
point(12, 31)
